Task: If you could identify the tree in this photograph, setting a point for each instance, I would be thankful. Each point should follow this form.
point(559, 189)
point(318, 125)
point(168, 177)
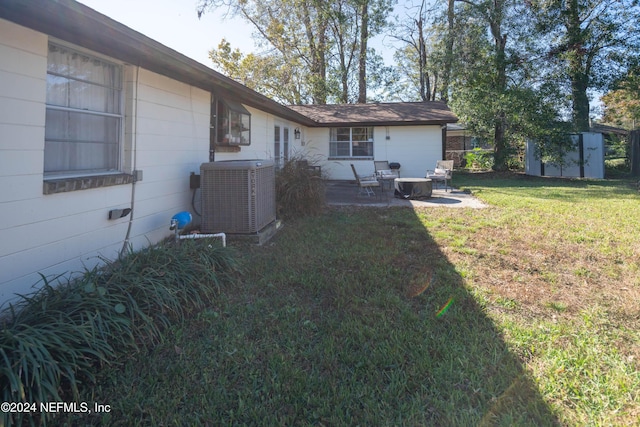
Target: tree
point(362, 62)
point(448, 55)
point(330, 36)
point(266, 74)
point(420, 60)
point(622, 104)
point(302, 45)
point(589, 40)
point(494, 86)
point(352, 23)
point(493, 13)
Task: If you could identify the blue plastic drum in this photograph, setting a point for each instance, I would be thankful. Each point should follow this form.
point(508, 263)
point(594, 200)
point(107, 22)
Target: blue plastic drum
point(182, 218)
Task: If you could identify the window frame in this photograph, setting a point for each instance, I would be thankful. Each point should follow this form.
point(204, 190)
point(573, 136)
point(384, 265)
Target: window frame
point(117, 128)
point(221, 121)
point(335, 135)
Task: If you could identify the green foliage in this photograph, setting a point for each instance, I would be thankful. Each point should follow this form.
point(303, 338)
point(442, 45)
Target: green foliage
point(300, 189)
point(269, 73)
point(317, 60)
point(55, 339)
point(479, 159)
point(589, 42)
point(553, 146)
point(622, 104)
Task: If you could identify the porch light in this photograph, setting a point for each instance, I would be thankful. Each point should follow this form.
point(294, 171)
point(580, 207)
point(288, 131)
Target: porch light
point(296, 133)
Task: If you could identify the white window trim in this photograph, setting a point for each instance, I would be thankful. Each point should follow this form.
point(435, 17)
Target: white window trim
point(121, 137)
point(351, 156)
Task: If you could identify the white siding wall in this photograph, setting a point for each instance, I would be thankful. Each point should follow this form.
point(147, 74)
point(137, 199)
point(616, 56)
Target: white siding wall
point(62, 233)
point(416, 148)
point(172, 140)
point(262, 130)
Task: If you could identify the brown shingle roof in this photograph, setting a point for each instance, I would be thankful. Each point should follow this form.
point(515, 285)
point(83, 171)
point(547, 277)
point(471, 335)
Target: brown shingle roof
point(382, 114)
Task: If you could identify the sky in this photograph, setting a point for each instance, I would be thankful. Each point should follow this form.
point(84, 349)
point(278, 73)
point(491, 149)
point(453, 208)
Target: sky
point(175, 24)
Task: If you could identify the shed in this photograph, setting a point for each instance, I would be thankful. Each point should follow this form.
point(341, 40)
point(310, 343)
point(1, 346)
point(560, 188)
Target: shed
point(586, 160)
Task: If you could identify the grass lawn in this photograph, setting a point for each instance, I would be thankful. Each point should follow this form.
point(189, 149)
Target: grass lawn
point(524, 313)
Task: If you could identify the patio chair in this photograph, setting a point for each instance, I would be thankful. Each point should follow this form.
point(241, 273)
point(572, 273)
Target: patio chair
point(442, 172)
point(384, 172)
point(365, 183)
point(382, 168)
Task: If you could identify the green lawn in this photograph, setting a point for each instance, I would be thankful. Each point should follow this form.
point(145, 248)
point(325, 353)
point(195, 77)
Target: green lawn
point(524, 313)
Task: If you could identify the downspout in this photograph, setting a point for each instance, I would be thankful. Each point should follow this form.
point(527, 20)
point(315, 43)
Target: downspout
point(134, 149)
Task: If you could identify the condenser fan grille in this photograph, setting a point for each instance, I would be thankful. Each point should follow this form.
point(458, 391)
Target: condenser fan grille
point(237, 196)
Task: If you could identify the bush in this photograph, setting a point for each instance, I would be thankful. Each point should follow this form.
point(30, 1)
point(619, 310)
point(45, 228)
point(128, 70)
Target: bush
point(54, 339)
point(300, 189)
point(479, 159)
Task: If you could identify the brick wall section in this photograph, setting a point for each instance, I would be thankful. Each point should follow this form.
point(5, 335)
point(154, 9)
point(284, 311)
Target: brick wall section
point(455, 143)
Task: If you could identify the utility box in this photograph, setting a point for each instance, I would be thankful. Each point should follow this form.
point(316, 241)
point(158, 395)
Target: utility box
point(238, 196)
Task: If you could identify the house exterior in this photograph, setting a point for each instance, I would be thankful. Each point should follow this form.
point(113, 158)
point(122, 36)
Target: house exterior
point(97, 119)
point(409, 133)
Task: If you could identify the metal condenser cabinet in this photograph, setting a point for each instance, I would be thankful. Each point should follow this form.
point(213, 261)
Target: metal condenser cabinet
point(238, 196)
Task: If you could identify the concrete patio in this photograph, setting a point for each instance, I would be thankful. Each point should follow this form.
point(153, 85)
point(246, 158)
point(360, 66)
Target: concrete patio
point(345, 193)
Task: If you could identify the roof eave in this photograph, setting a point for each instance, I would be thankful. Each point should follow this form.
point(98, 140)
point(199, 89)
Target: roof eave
point(78, 24)
point(388, 123)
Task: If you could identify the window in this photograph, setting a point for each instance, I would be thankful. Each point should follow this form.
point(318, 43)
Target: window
point(351, 142)
point(83, 127)
point(280, 145)
point(233, 123)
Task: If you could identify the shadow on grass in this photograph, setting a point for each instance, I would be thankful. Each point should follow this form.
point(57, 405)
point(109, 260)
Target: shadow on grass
point(352, 318)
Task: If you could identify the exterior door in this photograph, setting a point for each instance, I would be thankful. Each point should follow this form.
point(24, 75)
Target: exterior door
point(280, 145)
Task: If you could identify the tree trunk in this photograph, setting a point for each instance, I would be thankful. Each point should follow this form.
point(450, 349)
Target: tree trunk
point(448, 54)
point(364, 37)
point(576, 54)
point(317, 54)
point(422, 61)
point(344, 70)
point(580, 113)
point(501, 149)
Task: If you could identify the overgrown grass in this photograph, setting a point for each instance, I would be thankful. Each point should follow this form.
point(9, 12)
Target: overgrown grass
point(567, 252)
point(354, 318)
point(54, 340)
point(300, 189)
point(524, 313)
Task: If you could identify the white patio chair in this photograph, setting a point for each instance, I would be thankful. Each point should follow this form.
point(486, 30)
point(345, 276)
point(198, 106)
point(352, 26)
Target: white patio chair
point(442, 173)
point(365, 183)
point(384, 173)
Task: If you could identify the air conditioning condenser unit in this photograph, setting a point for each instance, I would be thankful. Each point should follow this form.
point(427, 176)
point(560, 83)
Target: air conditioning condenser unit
point(238, 196)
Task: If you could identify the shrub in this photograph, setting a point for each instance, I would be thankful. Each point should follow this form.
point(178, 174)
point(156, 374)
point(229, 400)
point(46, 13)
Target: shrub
point(479, 159)
point(54, 339)
point(300, 189)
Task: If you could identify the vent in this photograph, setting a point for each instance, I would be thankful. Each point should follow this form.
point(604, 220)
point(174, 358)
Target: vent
point(238, 196)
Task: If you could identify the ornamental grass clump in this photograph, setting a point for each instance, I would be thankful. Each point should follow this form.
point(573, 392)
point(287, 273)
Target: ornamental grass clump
point(300, 189)
point(56, 338)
